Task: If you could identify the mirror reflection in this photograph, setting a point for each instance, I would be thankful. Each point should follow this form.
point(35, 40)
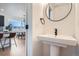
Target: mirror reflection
point(57, 11)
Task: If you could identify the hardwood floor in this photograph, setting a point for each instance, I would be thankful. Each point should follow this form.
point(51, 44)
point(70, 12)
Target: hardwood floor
point(14, 50)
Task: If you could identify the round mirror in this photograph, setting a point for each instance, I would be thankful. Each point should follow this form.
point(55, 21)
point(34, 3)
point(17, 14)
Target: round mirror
point(57, 11)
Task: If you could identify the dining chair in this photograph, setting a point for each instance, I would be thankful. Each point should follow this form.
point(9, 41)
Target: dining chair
point(1, 36)
point(21, 35)
point(11, 35)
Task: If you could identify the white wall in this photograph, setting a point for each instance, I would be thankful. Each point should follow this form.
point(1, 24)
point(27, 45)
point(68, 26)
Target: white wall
point(37, 28)
point(77, 21)
point(65, 27)
point(77, 27)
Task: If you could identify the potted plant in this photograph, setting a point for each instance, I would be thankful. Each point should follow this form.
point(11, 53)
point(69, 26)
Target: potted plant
point(9, 27)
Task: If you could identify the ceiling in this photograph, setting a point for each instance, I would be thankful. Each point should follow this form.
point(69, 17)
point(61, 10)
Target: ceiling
point(13, 9)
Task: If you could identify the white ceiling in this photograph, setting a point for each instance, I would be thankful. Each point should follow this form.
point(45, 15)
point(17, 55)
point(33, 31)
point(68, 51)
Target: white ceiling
point(13, 9)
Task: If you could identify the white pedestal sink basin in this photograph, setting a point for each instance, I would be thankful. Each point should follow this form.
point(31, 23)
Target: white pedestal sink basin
point(56, 42)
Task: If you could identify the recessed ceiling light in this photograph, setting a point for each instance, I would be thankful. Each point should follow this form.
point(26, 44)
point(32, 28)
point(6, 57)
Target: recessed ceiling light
point(1, 10)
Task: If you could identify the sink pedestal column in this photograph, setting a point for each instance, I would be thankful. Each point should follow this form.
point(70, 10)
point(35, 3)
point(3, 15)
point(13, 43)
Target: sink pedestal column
point(54, 50)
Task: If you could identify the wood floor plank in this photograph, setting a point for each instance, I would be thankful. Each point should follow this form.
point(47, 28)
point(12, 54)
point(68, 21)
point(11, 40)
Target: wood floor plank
point(13, 50)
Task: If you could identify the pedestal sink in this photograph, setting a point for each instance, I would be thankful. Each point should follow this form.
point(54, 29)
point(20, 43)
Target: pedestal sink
point(56, 42)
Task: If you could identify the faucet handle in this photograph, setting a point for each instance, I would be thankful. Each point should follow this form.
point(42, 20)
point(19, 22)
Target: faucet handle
point(56, 32)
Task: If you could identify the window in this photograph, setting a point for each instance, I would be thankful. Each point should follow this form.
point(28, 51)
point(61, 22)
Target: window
point(16, 23)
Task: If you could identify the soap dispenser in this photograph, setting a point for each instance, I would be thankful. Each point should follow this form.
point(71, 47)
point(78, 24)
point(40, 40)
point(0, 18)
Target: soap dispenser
point(56, 31)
